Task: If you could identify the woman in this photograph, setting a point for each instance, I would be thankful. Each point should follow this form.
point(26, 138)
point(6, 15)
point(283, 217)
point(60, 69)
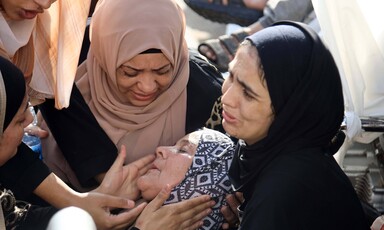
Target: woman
point(15, 116)
point(137, 86)
point(283, 100)
point(197, 164)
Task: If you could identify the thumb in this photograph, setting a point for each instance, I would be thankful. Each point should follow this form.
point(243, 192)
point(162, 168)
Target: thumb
point(160, 198)
point(119, 162)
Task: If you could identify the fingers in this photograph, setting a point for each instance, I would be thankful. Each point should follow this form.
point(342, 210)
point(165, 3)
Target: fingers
point(230, 212)
point(239, 197)
point(126, 217)
point(233, 202)
point(160, 198)
point(230, 217)
point(144, 163)
point(195, 219)
point(119, 162)
point(117, 202)
point(195, 205)
point(35, 130)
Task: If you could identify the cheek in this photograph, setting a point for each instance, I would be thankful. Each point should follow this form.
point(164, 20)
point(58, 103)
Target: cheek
point(175, 170)
point(164, 81)
point(125, 83)
point(148, 186)
point(8, 149)
point(225, 86)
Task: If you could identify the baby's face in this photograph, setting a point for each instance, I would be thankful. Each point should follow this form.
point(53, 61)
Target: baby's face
point(170, 166)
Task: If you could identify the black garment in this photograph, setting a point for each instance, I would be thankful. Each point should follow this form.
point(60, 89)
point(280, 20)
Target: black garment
point(20, 215)
point(303, 190)
point(289, 178)
point(79, 136)
point(306, 94)
point(87, 147)
point(23, 173)
point(203, 89)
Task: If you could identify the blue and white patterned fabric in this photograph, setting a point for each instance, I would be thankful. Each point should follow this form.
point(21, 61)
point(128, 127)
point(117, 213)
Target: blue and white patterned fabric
point(208, 175)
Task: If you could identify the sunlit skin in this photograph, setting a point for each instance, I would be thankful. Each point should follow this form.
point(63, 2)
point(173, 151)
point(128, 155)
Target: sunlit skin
point(13, 134)
point(170, 166)
point(247, 109)
point(143, 78)
point(23, 9)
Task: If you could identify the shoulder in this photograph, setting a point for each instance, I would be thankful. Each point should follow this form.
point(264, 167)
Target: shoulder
point(202, 69)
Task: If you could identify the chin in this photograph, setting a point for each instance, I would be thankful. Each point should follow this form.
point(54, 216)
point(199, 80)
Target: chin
point(149, 194)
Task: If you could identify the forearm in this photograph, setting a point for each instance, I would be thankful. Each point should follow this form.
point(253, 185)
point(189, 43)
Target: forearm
point(23, 173)
point(54, 191)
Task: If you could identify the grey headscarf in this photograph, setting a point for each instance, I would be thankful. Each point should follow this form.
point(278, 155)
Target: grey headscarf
point(208, 175)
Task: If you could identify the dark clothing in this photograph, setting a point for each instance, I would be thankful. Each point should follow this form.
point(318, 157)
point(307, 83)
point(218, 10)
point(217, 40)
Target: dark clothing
point(303, 190)
point(203, 89)
point(23, 173)
point(289, 178)
point(20, 215)
point(79, 136)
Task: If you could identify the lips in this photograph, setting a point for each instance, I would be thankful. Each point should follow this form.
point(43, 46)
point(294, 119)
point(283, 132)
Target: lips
point(228, 117)
point(30, 14)
point(144, 97)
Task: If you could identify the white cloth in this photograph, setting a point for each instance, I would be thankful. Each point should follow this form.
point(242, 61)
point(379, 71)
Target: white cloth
point(353, 31)
point(71, 218)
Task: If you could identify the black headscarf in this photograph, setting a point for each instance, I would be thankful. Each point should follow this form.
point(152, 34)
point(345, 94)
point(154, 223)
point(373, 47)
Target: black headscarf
point(306, 93)
point(12, 92)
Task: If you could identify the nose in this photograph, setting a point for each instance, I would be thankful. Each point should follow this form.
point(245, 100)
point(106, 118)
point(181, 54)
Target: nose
point(228, 95)
point(45, 4)
point(162, 152)
point(147, 83)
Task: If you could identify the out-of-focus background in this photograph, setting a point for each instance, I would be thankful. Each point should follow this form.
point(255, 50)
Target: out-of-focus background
point(198, 28)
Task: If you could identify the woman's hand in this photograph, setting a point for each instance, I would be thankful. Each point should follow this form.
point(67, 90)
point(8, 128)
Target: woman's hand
point(121, 180)
point(230, 212)
point(35, 130)
point(99, 206)
point(187, 214)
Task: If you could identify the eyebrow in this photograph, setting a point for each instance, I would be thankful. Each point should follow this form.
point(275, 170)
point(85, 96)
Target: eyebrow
point(247, 87)
point(162, 67)
point(185, 142)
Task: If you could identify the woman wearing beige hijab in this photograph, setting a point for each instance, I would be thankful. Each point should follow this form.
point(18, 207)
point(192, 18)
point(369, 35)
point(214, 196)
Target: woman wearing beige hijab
point(30, 39)
point(140, 86)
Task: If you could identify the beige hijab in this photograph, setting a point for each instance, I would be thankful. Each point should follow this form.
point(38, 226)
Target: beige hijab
point(47, 48)
point(120, 30)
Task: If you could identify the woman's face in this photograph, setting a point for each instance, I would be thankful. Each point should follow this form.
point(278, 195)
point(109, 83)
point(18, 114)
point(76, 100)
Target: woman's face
point(13, 134)
point(170, 166)
point(143, 78)
point(24, 9)
point(247, 107)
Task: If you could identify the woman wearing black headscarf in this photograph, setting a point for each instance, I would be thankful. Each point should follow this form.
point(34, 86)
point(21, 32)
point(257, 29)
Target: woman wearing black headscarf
point(283, 100)
point(14, 116)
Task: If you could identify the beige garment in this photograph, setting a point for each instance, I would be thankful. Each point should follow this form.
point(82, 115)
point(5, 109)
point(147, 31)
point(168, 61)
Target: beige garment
point(3, 103)
point(120, 30)
point(49, 46)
